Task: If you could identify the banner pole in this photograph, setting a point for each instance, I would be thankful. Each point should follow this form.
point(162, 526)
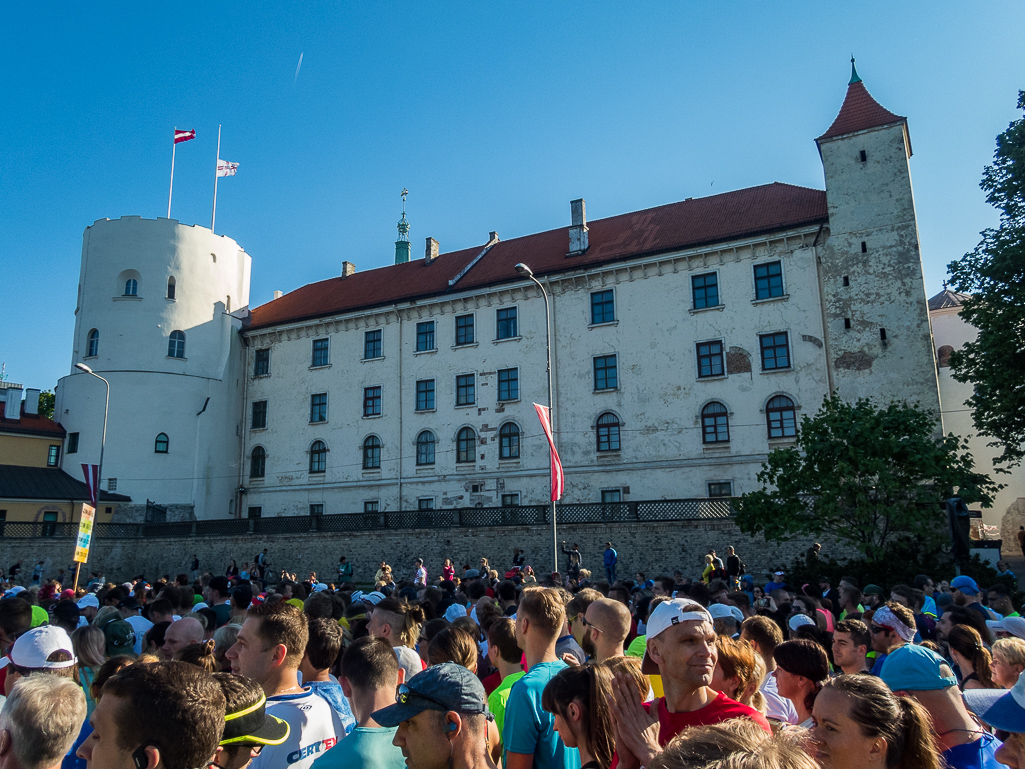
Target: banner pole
point(217, 161)
point(174, 146)
point(78, 569)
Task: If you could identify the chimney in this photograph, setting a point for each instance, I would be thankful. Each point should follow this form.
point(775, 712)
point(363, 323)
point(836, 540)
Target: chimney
point(278, 294)
point(32, 401)
point(348, 268)
point(12, 408)
point(578, 229)
point(432, 251)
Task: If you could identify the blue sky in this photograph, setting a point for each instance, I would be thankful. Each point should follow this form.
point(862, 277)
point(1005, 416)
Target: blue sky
point(493, 115)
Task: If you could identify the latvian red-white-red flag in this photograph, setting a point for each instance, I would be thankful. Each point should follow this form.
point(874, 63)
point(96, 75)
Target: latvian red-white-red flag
point(92, 482)
point(184, 136)
point(558, 479)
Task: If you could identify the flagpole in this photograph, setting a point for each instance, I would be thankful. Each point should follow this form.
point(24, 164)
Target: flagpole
point(174, 146)
point(217, 160)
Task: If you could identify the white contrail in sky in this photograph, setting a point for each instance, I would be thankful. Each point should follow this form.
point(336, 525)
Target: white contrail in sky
point(297, 67)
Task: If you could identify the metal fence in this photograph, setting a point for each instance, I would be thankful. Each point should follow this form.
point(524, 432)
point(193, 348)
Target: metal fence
point(470, 517)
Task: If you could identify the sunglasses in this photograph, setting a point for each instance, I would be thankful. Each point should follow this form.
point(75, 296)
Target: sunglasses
point(403, 694)
point(589, 624)
point(879, 629)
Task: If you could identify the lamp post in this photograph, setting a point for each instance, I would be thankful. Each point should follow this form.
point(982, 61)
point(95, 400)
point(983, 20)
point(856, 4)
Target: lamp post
point(524, 270)
point(103, 442)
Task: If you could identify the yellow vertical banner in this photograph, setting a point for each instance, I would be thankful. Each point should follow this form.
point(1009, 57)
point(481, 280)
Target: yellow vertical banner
point(85, 533)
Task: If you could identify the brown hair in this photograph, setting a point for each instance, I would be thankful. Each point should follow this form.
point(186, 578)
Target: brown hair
point(967, 642)
point(541, 605)
point(737, 660)
point(453, 645)
point(631, 668)
point(805, 658)
point(325, 642)
point(764, 632)
point(736, 744)
point(370, 664)
point(591, 687)
point(901, 721)
point(108, 669)
point(199, 654)
point(282, 623)
point(502, 637)
point(405, 619)
point(856, 629)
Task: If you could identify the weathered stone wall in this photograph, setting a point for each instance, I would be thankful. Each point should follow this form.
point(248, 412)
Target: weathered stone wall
point(654, 548)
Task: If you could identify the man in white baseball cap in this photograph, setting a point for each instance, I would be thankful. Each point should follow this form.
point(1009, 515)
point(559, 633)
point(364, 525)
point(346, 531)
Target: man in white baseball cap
point(1008, 627)
point(680, 647)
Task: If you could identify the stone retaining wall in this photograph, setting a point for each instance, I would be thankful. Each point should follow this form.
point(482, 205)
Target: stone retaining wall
point(654, 548)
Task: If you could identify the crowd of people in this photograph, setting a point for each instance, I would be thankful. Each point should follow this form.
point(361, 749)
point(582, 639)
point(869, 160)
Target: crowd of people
point(502, 667)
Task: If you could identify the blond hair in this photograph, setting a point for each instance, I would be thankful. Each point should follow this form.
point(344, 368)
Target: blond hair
point(543, 607)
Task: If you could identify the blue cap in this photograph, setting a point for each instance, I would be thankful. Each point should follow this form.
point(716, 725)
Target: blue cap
point(1000, 708)
point(965, 584)
point(916, 669)
point(443, 688)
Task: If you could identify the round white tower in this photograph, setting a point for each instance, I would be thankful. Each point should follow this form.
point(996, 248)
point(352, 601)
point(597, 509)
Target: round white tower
point(155, 299)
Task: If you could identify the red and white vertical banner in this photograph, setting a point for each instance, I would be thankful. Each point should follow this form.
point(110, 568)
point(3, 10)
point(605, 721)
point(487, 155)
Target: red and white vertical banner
point(92, 482)
point(558, 479)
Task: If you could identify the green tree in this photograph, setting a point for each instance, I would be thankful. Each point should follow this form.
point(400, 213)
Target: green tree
point(864, 475)
point(46, 403)
point(994, 273)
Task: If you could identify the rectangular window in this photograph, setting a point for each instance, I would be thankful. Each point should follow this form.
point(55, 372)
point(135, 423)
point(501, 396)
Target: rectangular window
point(261, 363)
point(425, 503)
point(720, 489)
point(511, 500)
point(317, 509)
point(775, 351)
point(768, 280)
point(259, 415)
point(506, 323)
point(464, 329)
point(609, 496)
point(371, 401)
point(372, 506)
point(425, 336)
point(425, 395)
point(710, 361)
point(465, 390)
point(112, 484)
point(53, 456)
point(72, 443)
point(254, 512)
point(320, 352)
point(372, 344)
point(603, 307)
point(49, 528)
point(508, 384)
point(318, 407)
point(605, 373)
point(705, 289)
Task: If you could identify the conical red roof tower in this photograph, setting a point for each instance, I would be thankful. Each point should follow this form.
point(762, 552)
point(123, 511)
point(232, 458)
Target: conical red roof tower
point(860, 112)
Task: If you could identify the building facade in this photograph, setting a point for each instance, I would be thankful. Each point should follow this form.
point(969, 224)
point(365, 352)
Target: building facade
point(687, 342)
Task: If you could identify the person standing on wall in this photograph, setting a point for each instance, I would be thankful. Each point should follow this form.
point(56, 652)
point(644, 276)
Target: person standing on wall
point(611, 557)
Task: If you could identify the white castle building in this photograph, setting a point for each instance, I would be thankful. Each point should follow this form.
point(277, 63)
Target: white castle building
point(688, 340)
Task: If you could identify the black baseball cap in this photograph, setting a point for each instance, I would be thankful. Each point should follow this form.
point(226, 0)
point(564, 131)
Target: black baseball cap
point(443, 688)
point(252, 725)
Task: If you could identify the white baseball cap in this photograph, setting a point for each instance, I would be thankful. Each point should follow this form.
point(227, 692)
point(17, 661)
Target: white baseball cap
point(1013, 625)
point(800, 619)
point(31, 649)
point(87, 600)
point(667, 614)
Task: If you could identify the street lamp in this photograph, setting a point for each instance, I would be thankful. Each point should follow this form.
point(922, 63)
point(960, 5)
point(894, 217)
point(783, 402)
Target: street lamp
point(524, 270)
point(103, 442)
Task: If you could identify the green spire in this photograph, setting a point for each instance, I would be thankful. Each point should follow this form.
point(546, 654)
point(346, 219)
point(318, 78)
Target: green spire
point(854, 73)
point(402, 246)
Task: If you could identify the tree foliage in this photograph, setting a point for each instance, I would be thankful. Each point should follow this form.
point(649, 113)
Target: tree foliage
point(865, 475)
point(46, 404)
point(994, 273)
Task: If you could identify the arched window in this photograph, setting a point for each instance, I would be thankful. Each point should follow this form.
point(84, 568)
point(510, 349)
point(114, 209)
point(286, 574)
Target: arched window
point(131, 287)
point(715, 423)
point(425, 445)
point(160, 447)
point(943, 356)
point(92, 348)
point(781, 416)
point(509, 441)
point(176, 345)
point(257, 462)
point(318, 457)
point(466, 446)
point(371, 453)
point(608, 432)
point(170, 288)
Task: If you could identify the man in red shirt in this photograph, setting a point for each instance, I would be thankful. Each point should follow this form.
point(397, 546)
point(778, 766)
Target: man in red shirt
point(681, 647)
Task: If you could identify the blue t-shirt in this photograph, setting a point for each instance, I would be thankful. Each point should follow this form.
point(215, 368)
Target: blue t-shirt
point(980, 754)
point(364, 748)
point(529, 728)
point(332, 692)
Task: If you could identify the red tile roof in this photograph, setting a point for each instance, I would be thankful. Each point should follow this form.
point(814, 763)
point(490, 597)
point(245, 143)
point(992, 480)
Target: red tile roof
point(859, 112)
point(30, 424)
point(688, 224)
